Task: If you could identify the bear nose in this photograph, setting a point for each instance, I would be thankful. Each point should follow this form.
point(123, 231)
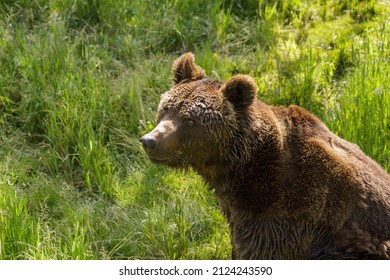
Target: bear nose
point(148, 143)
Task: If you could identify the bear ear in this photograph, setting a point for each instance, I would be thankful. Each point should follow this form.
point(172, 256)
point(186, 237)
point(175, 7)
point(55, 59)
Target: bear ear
point(240, 90)
point(184, 68)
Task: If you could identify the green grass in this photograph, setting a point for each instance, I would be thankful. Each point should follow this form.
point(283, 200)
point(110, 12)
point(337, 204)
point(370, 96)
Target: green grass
point(80, 81)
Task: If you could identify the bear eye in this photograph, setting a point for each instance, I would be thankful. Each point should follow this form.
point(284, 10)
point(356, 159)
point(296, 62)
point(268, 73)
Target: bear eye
point(189, 122)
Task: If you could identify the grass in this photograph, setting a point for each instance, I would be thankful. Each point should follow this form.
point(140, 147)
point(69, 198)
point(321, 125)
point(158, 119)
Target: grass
point(80, 81)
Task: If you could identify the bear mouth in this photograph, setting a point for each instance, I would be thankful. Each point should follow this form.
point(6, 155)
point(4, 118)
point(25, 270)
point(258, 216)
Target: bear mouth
point(159, 160)
point(168, 161)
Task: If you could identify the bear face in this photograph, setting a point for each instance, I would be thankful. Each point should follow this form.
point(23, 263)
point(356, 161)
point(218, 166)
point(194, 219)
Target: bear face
point(195, 114)
point(183, 133)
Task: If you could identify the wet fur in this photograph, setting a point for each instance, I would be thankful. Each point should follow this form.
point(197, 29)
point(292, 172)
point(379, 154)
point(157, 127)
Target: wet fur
point(289, 188)
point(305, 194)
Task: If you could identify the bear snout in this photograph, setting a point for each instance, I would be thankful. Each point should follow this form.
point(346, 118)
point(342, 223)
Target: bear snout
point(148, 142)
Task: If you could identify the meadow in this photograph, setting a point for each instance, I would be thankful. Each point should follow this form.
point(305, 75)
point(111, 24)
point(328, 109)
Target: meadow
point(80, 81)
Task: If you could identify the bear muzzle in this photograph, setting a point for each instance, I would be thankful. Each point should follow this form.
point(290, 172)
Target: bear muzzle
point(157, 135)
point(162, 144)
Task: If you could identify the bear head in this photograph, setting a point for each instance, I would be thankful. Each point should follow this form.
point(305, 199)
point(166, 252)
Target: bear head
point(199, 120)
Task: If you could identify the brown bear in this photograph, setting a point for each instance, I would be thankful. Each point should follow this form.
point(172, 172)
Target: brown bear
point(289, 188)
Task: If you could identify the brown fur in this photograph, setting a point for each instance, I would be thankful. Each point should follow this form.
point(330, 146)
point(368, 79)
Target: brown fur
point(289, 188)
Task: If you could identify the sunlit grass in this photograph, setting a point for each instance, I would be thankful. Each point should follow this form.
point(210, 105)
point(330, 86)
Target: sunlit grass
point(80, 82)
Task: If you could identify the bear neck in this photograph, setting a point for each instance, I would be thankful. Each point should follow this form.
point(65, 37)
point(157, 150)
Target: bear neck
point(254, 168)
point(247, 160)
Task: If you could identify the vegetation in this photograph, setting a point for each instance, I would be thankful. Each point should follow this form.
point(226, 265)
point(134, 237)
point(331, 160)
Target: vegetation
point(80, 81)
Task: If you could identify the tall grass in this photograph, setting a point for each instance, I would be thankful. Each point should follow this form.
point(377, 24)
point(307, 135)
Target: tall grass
point(363, 111)
point(80, 82)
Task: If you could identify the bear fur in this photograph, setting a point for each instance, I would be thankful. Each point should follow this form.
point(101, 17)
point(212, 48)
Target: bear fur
point(289, 188)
